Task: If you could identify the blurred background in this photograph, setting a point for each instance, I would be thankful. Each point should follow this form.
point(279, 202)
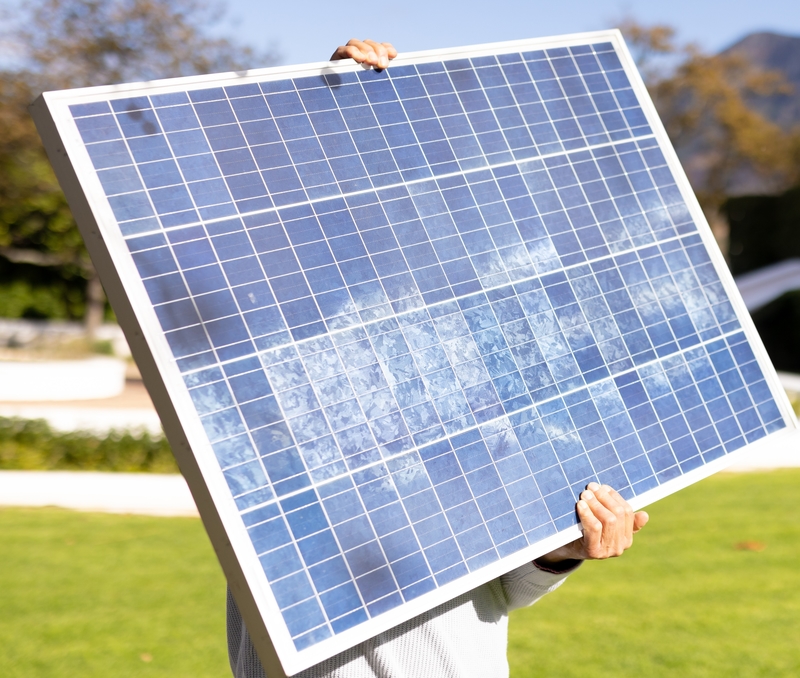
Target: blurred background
point(726, 83)
point(725, 79)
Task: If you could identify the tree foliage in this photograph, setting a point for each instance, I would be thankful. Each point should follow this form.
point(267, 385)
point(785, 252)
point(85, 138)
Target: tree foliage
point(80, 43)
point(77, 43)
point(42, 252)
point(33, 212)
point(705, 102)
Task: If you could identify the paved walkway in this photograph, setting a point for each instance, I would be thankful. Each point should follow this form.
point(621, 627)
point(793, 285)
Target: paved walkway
point(130, 410)
point(152, 494)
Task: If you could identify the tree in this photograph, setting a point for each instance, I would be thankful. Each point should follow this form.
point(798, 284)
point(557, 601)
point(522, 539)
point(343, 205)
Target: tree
point(77, 43)
point(705, 102)
point(37, 232)
point(80, 43)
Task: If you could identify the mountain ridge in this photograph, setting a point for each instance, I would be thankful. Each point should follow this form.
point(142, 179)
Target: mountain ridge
point(776, 52)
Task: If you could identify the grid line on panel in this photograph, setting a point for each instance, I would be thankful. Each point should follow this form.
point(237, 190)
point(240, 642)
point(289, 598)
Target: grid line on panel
point(380, 537)
point(204, 132)
point(312, 201)
point(436, 117)
point(296, 328)
point(472, 121)
point(237, 403)
point(222, 123)
point(284, 138)
point(435, 292)
point(549, 113)
point(361, 175)
point(209, 315)
point(412, 182)
point(516, 97)
point(387, 297)
point(134, 112)
point(622, 375)
point(363, 179)
point(387, 559)
point(207, 238)
point(227, 177)
point(143, 188)
point(232, 453)
point(379, 462)
point(594, 471)
point(417, 549)
point(237, 456)
point(380, 127)
point(465, 557)
point(570, 103)
point(342, 330)
point(414, 292)
point(347, 565)
point(242, 117)
point(416, 120)
point(349, 206)
point(282, 564)
point(583, 79)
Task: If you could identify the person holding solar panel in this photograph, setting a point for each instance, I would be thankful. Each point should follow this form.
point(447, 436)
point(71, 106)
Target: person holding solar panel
point(466, 636)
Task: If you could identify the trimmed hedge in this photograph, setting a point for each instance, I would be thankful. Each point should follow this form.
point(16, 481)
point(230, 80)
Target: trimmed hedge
point(33, 445)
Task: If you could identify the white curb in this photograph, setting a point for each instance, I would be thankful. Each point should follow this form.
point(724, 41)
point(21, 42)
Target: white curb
point(141, 493)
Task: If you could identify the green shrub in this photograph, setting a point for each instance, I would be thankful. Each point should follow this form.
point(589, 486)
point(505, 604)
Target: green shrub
point(103, 347)
point(33, 445)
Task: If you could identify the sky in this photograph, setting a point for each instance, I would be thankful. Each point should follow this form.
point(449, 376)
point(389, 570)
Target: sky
point(303, 31)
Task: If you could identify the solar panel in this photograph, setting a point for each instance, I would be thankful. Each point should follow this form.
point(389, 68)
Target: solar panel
point(394, 322)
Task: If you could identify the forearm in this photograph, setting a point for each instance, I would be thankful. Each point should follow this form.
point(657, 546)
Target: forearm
point(527, 584)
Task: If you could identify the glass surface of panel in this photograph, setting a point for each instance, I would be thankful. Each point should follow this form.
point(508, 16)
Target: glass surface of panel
point(416, 311)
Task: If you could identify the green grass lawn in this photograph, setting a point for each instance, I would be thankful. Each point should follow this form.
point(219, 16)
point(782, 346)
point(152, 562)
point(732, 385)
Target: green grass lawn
point(690, 599)
point(86, 595)
point(89, 595)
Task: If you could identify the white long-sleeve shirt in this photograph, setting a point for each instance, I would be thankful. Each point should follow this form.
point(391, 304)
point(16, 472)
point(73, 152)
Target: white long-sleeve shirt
point(464, 638)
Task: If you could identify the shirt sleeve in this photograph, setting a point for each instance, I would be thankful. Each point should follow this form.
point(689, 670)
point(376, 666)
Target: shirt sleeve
point(527, 584)
point(241, 654)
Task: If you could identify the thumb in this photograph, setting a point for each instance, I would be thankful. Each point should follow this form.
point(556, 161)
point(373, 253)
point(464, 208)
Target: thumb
point(640, 519)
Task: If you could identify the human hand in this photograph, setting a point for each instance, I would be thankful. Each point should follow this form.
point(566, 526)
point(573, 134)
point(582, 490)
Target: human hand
point(375, 54)
point(609, 524)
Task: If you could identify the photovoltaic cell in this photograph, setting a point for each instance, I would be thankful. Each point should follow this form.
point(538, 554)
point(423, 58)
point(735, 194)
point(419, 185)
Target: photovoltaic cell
point(416, 311)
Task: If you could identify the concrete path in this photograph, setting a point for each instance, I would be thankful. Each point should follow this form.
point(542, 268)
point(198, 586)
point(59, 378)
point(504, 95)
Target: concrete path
point(152, 494)
point(132, 410)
